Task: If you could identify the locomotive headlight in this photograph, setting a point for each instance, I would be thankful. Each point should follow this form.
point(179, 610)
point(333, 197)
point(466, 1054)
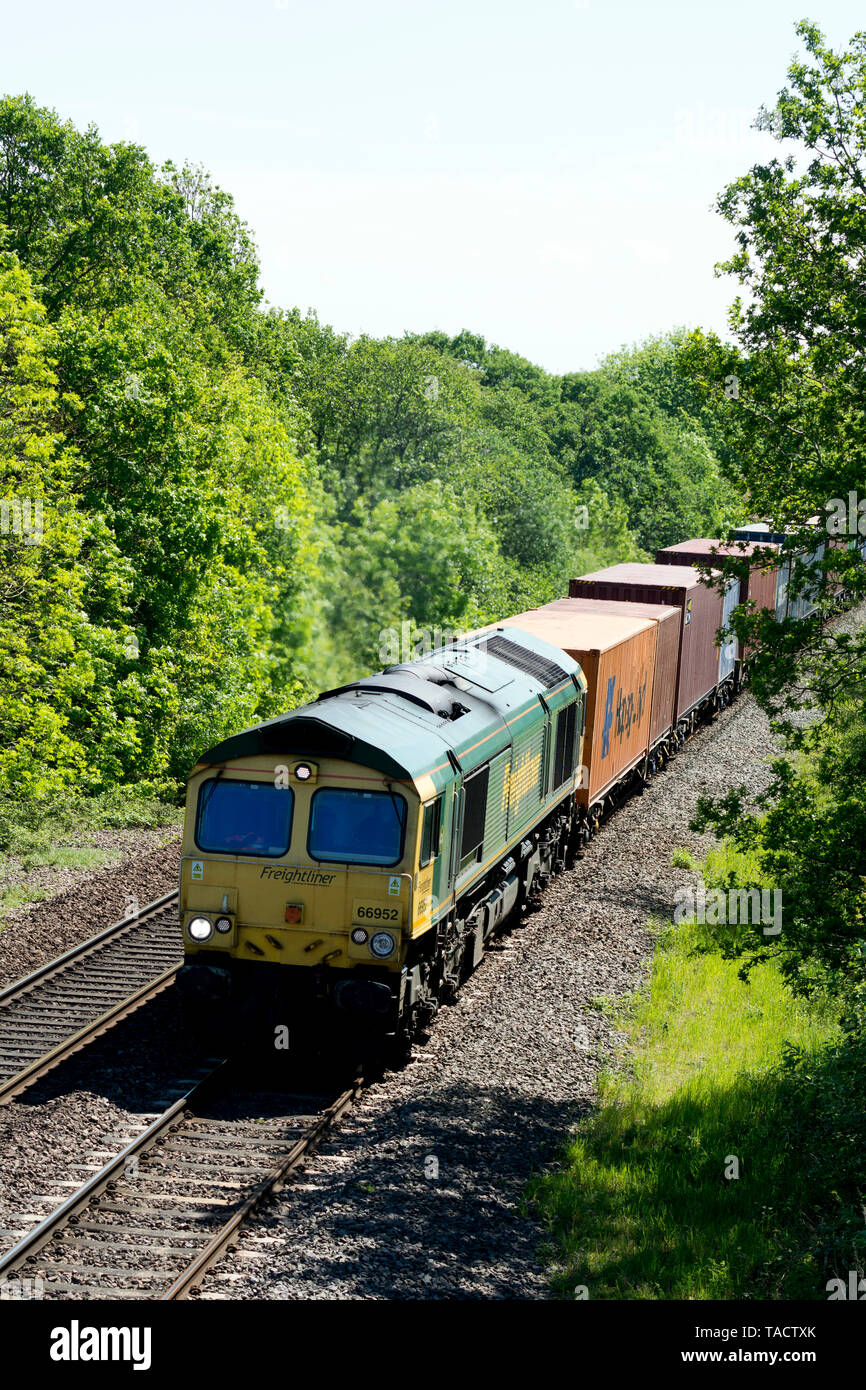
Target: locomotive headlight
point(199, 929)
point(359, 936)
point(382, 943)
point(223, 924)
point(303, 772)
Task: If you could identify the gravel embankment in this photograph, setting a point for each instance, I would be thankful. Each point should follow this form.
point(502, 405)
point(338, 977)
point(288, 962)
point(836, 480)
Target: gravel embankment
point(418, 1194)
point(32, 937)
point(66, 1126)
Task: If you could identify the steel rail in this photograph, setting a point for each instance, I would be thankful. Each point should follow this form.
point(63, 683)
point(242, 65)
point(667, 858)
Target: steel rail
point(215, 1247)
point(21, 986)
point(172, 1120)
point(28, 989)
point(40, 1235)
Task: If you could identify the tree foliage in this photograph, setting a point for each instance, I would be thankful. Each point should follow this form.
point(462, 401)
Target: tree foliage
point(179, 498)
point(242, 503)
point(789, 395)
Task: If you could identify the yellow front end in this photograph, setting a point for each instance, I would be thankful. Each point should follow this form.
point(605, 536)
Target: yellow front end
point(264, 912)
point(296, 914)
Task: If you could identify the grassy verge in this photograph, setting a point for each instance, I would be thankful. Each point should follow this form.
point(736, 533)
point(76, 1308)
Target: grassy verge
point(18, 896)
point(59, 834)
point(727, 1155)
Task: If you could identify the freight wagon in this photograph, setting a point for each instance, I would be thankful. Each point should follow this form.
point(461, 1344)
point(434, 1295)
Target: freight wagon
point(837, 580)
point(759, 586)
point(668, 621)
point(707, 670)
point(788, 605)
point(617, 654)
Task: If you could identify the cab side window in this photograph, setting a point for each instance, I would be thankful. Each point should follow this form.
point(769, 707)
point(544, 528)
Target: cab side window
point(431, 827)
point(565, 755)
point(474, 794)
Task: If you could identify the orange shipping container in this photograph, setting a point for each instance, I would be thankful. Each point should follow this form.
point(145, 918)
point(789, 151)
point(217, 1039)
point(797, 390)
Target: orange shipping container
point(617, 656)
point(663, 715)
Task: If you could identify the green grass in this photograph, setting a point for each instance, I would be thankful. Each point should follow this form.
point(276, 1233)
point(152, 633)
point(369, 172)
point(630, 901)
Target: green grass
point(714, 1069)
point(19, 896)
point(681, 859)
point(74, 857)
point(726, 867)
point(54, 832)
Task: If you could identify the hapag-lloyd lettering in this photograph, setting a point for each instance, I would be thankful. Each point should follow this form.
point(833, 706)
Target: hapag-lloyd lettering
point(626, 713)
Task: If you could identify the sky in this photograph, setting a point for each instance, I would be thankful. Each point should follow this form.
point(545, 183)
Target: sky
point(543, 173)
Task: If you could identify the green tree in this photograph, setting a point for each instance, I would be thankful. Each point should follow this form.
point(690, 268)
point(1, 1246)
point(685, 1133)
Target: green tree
point(789, 394)
point(180, 458)
point(54, 657)
point(660, 459)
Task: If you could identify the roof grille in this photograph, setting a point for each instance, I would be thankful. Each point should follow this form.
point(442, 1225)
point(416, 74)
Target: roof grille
point(544, 670)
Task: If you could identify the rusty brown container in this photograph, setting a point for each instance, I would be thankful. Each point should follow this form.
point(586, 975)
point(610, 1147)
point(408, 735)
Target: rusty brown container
point(668, 620)
point(678, 586)
point(617, 656)
point(760, 586)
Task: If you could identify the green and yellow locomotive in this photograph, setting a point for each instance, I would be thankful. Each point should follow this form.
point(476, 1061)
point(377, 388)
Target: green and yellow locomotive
point(344, 864)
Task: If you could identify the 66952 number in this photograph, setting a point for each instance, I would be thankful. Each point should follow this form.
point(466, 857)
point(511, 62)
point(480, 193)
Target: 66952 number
point(365, 912)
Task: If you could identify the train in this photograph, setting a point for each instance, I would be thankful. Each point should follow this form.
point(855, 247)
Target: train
point(345, 865)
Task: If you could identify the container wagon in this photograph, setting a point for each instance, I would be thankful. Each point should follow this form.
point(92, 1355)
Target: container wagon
point(759, 585)
point(796, 606)
point(617, 654)
point(837, 585)
point(706, 671)
point(668, 619)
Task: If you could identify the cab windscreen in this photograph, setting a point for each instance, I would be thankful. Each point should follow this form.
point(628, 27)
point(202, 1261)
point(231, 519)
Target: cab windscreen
point(357, 827)
point(244, 818)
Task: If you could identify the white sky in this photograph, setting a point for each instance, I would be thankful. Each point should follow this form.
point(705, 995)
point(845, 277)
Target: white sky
point(540, 172)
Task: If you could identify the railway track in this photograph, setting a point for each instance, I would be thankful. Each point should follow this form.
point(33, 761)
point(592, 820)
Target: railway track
point(161, 1212)
point(52, 1013)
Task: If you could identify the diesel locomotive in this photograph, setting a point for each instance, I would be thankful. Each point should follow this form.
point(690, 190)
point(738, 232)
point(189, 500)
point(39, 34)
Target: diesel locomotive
point(347, 862)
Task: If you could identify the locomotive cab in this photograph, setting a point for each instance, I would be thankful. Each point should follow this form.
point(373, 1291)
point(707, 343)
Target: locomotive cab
point(302, 875)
